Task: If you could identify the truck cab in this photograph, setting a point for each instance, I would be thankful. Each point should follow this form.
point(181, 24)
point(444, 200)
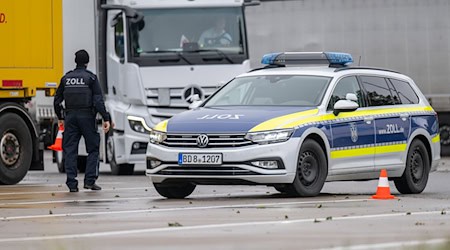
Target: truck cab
point(160, 56)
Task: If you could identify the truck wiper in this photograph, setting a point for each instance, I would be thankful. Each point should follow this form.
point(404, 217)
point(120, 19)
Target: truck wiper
point(178, 53)
point(218, 51)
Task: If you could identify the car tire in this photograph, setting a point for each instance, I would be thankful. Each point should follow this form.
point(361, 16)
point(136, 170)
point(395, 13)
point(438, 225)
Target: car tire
point(175, 190)
point(312, 170)
point(116, 169)
point(16, 149)
point(415, 176)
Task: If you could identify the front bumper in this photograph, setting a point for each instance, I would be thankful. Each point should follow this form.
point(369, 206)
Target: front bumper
point(236, 164)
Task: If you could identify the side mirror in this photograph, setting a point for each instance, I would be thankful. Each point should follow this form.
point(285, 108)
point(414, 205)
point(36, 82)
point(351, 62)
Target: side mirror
point(351, 97)
point(344, 106)
point(196, 102)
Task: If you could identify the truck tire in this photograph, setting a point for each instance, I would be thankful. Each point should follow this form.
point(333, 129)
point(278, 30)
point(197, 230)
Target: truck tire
point(444, 130)
point(174, 190)
point(415, 177)
point(116, 169)
point(81, 163)
point(16, 149)
point(59, 160)
point(312, 170)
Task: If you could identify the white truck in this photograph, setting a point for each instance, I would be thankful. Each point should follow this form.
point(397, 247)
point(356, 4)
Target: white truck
point(151, 63)
point(408, 36)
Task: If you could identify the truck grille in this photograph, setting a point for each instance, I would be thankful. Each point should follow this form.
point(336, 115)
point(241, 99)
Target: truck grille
point(163, 103)
point(215, 140)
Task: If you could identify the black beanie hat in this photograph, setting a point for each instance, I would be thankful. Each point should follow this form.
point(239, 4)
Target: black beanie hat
point(81, 57)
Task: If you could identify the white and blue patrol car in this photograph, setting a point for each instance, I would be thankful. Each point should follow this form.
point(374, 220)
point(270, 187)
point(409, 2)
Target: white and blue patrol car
point(304, 119)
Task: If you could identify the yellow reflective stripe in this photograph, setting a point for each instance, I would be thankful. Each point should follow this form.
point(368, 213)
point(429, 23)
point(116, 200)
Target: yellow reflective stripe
point(352, 152)
point(162, 126)
point(304, 117)
point(436, 139)
point(279, 122)
point(390, 148)
point(346, 153)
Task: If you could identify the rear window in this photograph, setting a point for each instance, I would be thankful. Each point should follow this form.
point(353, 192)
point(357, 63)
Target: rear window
point(378, 91)
point(405, 92)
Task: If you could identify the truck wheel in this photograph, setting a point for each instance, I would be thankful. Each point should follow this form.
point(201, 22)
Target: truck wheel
point(116, 169)
point(444, 131)
point(16, 149)
point(415, 177)
point(175, 190)
point(81, 163)
point(60, 161)
point(312, 170)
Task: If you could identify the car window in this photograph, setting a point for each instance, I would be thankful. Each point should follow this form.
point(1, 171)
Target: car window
point(405, 92)
point(378, 91)
point(343, 87)
point(272, 90)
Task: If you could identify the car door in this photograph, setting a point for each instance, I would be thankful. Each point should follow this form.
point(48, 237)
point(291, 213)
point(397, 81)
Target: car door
point(392, 123)
point(352, 132)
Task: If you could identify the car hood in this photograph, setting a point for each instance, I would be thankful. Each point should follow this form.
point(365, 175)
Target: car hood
point(236, 119)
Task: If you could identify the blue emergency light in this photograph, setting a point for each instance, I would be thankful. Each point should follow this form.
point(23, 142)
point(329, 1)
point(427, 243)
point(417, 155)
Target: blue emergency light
point(302, 58)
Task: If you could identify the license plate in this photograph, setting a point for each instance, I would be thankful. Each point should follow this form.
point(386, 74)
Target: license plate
point(199, 159)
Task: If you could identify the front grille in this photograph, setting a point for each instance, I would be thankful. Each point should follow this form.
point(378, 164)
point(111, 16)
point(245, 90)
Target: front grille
point(163, 103)
point(206, 170)
point(215, 140)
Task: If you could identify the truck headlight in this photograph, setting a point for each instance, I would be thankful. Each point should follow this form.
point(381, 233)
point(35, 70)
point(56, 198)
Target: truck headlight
point(138, 124)
point(156, 137)
point(272, 136)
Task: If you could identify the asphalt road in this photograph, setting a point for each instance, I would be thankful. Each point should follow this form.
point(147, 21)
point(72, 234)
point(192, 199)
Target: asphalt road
point(40, 213)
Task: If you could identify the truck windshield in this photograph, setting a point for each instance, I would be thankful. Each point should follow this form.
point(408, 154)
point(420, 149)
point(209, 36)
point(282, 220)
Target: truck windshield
point(189, 36)
point(271, 90)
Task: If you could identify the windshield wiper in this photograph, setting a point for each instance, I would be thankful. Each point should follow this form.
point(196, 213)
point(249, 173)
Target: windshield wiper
point(178, 53)
point(218, 51)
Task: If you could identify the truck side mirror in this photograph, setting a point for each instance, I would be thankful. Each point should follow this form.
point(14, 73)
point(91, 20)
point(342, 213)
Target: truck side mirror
point(196, 102)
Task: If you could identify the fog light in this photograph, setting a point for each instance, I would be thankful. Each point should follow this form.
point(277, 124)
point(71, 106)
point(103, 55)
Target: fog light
point(154, 163)
point(136, 145)
point(266, 164)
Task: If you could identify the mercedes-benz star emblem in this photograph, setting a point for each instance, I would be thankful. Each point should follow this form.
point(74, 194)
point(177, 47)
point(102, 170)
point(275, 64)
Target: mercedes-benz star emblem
point(190, 92)
point(202, 140)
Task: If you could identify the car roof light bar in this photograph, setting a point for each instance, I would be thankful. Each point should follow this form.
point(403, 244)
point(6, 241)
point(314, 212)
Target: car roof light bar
point(333, 59)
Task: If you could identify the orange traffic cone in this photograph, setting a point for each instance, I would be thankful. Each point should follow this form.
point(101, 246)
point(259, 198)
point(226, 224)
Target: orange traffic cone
point(57, 146)
point(383, 190)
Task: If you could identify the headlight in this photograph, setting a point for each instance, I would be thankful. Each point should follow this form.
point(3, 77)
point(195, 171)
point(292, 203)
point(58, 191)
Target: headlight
point(156, 137)
point(138, 124)
point(272, 136)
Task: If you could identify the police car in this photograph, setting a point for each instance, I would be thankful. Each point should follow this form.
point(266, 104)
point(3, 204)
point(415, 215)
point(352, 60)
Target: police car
point(304, 119)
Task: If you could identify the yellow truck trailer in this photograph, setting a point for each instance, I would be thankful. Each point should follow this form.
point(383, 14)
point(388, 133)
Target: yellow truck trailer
point(30, 61)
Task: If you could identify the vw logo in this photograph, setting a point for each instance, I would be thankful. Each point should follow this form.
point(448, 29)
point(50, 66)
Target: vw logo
point(189, 92)
point(202, 140)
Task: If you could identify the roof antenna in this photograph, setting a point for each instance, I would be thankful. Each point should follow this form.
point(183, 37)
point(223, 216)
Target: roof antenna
point(359, 62)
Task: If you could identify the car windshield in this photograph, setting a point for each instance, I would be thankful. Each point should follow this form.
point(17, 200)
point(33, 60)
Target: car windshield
point(272, 90)
point(217, 30)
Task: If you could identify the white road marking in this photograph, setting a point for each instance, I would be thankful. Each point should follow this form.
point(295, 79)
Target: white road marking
point(395, 245)
point(178, 209)
point(211, 226)
point(81, 190)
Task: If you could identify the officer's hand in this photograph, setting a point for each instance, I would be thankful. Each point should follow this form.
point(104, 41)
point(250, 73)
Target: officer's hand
point(106, 126)
point(60, 123)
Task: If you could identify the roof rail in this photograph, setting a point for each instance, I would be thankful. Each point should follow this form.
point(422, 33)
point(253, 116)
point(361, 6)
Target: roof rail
point(362, 67)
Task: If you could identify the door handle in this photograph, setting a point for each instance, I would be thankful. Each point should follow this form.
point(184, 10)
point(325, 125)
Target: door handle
point(404, 117)
point(368, 119)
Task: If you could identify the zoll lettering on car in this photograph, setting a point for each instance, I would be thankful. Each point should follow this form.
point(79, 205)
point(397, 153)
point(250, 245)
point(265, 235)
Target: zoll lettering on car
point(2, 17)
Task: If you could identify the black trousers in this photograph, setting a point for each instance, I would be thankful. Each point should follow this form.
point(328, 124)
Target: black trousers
point(77, 124)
